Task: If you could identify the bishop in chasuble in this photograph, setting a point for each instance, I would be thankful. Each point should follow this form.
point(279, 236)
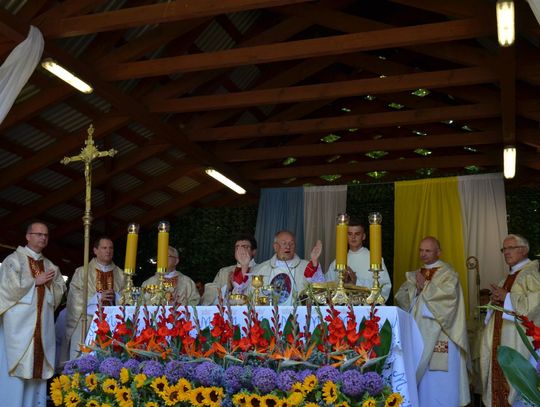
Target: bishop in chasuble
point(519, 292)
point(31, 287)
point(105, 284)
point(434, 297)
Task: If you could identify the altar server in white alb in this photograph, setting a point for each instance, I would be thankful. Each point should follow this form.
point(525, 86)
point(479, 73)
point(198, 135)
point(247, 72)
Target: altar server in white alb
point(31, 287)
point(434, 297)
point(358, 262)
point(287, 273)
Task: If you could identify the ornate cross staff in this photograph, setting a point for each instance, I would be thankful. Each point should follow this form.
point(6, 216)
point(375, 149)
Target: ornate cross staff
point(88, 154)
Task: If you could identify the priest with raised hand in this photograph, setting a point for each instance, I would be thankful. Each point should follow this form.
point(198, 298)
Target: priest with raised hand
point(287, 273)
point(434, 298)
point(31, 287)
point(105, 284)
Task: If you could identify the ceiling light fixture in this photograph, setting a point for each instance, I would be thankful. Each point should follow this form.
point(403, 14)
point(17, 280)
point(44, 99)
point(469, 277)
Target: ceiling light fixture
point(505, 22)
point(225, 181)
point(509, 159)
point(57, 70)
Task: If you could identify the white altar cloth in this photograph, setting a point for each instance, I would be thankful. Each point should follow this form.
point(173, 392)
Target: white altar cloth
point(405, 352)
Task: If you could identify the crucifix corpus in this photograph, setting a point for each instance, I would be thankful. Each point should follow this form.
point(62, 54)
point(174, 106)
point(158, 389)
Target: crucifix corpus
point(88, 154)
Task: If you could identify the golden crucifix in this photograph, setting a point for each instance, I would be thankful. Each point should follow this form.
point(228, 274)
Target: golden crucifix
point(88, 154)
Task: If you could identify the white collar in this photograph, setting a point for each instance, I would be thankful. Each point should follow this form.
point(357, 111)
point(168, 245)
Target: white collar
point(360, 250)
point(172, 274)
point(104, 267)
point(33, 254)
point(519, 266)
point(436, 264)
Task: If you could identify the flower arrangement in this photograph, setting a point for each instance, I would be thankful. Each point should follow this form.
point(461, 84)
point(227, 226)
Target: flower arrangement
point(171, 360)
point(519, 372)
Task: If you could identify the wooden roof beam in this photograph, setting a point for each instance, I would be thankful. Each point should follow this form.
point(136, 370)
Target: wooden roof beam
point(151, 14)
point(334, 45)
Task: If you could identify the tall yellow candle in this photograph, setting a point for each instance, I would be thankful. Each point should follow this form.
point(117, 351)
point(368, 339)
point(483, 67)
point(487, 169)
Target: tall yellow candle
point(163, 245)
point(375, 240)
point(131, 247)
point(341, 241)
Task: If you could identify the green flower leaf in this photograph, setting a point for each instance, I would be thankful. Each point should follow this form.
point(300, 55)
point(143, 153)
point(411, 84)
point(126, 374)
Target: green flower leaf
point(520, 373)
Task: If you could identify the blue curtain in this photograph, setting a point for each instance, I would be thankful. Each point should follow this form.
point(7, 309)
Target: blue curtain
point(279, 209)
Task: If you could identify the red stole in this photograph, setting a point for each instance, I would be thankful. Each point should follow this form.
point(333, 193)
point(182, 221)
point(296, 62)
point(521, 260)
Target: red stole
point(499, 385)
point(37, 267)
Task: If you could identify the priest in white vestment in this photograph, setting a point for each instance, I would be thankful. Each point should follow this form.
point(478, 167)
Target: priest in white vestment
point(105, 284)
point(519, 292)
point(233, 279)
point(434, 297)
point(358, 262)
point(182, 288)
point(31, 287)
point(286, 272)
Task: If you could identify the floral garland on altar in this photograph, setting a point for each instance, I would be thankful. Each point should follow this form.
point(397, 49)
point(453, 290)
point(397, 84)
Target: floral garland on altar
point(172, 361)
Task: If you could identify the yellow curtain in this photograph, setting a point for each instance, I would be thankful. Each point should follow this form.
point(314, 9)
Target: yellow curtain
point(428, 208)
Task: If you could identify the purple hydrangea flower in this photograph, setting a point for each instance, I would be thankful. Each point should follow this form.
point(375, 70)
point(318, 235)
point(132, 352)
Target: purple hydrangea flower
point(352, 383)
point(286, 379)
point(208, 374)
point(328, 373)
point(246, 379)
point(175, 370)
point(87, 364)
point(152, 368)
point(111, 367)
point(232, 379)
point(264, 379)
point(133, 365)
point(70, 367)
point(373, 383)
point(301, 375)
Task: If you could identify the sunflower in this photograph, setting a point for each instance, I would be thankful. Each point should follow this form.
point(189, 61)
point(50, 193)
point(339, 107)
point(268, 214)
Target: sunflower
point(72, 399)
point(110, 385)
point(213, 396)
point(66, 383)
point(92, 403)
point(342, 404)
point(124, 375)
point(106, 405)
point(369, 402)
point(310, 382)
point(160, 384)
point(171, 396)
point(183, 385)
point(91, 381)
point(295, 398)
point(254, 401)
point(123, 397)
point(394, 400)
point(240, 399)
point(196, 396)
point(299, 388)
point(56, 396)
point(151, 404)
point(75, 381)
point(270, 401)
point(139, 380)
point(286, 403)
point(329, 392)
point(311, 404)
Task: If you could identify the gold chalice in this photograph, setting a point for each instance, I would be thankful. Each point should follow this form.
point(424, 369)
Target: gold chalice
point(257, 282)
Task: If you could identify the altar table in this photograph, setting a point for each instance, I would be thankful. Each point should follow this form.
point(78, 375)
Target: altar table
point(405, 351)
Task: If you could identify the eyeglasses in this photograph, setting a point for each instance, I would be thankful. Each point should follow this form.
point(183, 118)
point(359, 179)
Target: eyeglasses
point(46, 235)
point(505, 249)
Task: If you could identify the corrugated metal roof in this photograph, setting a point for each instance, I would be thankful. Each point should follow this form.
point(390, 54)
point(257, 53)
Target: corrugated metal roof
point(153, 166)
point(175, 153)
point(7, 158)
point(244, 76)
point(214, 38)
point(18, 195)
point(65, 117)
point(98, 197)
point(184, 184)
point(156, 198)
point(29, 137)
point(128, 213)
point(141, 130)
point(243, 20)
point(125, 182)
point(96, 101)
point(66, 212)
point(120, 144)
point(13, 6)
point(27, 92)
point(50, 179)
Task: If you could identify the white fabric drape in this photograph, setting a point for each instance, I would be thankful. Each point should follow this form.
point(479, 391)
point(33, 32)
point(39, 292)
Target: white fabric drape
point(483, 207)
point(321, 206)
point(17, 69)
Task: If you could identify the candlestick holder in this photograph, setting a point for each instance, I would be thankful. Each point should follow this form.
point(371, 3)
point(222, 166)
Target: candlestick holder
point(127, 297)
point(163, 241)
point(340, 296)
point(375, 220)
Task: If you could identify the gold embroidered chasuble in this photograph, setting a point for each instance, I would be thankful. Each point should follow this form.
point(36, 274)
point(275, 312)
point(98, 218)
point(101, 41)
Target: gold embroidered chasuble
point(525, 299)
point(98, 281)
point(27, 314)
point(443, 298)
point(185, 291)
